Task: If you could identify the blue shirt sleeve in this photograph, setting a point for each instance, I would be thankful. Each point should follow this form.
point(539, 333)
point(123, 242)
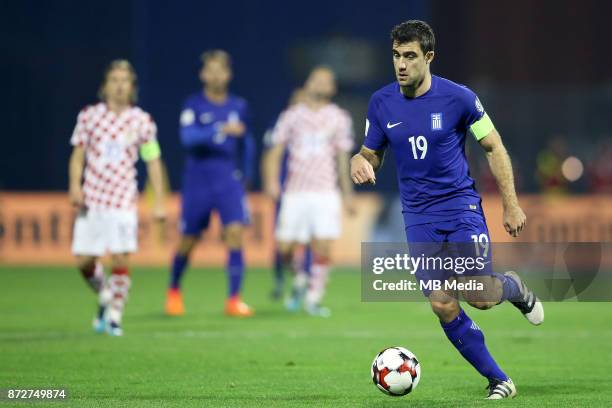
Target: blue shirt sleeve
point(375, 138)
point(470, 106)
point(192, 132)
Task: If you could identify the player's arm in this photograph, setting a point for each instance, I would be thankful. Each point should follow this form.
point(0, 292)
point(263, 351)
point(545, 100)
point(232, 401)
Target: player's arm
point(75, 173)
point(344, 179)
point(371, 155)
point(195, 135)
point(151, 155)
point(364, 164)
point(343, 143)
point(271, 166)
point(501, 167)
point(279, 139)
point(192, 133)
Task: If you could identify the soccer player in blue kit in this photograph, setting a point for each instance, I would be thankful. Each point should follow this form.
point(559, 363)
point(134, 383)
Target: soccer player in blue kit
point(424, 119)
point(214, 131)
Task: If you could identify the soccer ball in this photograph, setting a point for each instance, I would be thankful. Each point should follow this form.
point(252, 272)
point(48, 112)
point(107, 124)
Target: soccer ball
point(396, 371)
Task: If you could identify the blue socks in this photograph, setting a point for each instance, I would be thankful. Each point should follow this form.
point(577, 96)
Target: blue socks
point(308, 259)
point(467, 337)
point(235, 270)
point(510, 288)
point(279, 275)
point(178, 268)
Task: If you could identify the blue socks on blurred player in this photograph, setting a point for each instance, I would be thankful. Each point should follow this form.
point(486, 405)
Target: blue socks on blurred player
point(178, 268)
point(510, 289)
point(279, 275)
point(235, 270)
point(467, 337)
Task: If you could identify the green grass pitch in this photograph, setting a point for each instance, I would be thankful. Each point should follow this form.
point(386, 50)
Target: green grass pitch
point(279, 359)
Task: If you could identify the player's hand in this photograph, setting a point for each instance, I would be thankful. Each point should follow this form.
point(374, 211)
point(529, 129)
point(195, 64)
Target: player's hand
point(362, 171)
point(273, 189)
point(235, 128)
point(514, 220)
point(77, 198)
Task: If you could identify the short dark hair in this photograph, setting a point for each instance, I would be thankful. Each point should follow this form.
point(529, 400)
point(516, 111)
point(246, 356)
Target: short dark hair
point(221, 55)
point(414, 30)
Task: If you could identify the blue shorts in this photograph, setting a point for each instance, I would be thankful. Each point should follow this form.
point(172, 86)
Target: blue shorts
point(461, 238)
point(228, 199)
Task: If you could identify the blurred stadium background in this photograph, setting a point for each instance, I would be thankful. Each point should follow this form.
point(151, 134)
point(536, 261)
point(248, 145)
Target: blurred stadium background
point(543, 74)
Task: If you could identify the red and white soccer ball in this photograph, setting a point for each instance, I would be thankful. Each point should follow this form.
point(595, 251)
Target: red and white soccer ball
point(396, 371)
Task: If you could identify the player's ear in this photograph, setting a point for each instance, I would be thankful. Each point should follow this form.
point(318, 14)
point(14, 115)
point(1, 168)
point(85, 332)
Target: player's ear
point(429, 56)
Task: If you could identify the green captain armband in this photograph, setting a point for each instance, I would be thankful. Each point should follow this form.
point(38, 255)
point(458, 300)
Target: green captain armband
point(482, 127)
point(150, 151)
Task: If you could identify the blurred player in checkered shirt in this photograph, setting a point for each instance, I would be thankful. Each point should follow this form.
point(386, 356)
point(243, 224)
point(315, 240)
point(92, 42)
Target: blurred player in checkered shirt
point(318, 136)
point(106, 142)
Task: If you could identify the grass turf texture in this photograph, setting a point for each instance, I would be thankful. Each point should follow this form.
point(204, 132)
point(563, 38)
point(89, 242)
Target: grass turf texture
point(279, 359)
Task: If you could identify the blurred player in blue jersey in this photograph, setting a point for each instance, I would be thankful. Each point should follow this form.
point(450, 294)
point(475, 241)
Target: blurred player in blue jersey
point(424, 119)
point(302, 263)
point(214, 131)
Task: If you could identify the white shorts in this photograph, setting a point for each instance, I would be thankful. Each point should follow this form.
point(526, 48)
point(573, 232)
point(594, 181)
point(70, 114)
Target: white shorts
point(305, 216)
point(96, 232)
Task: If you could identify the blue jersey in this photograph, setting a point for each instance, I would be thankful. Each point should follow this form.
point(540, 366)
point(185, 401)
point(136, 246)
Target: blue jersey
point(211, 154)
point(427, 137)
point(213, 176)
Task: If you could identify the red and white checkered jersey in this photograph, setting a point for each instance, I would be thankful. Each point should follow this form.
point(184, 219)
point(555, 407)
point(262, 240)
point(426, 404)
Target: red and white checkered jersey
point(111, 142)
point(313, 139)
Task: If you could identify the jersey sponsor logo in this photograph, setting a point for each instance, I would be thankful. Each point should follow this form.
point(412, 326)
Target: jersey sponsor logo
point(392, 125)
point(479, 106)
point(187, 117)
point(436, 121)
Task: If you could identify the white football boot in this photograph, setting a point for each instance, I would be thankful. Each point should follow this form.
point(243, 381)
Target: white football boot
point(530, 305)
point(114, 329)
point(501, 389)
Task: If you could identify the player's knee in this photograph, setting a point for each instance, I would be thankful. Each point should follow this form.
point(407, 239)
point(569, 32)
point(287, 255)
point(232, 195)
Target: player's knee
point(233, 236)
point(119, 260)
point(186, 245)
point(86, 263)
point(285, 249)
point(446, 311)
point(321, 249)
point(482, 305)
